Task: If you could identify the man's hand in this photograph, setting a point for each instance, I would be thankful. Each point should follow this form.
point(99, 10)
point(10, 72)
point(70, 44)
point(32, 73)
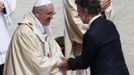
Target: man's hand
point(64, 64)
point(105, 4)
point(1, 5)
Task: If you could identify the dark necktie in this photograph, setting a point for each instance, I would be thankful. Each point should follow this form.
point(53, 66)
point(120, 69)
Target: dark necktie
point(103, 14)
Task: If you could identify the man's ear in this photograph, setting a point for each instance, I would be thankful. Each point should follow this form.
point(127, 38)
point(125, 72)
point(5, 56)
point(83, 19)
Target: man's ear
point(37, 14)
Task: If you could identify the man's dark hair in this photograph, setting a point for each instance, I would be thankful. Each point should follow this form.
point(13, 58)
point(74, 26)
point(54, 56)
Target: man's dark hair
point(92, 6)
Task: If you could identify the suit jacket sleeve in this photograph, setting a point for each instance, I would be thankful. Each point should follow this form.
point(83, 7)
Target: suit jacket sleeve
point(88, 54)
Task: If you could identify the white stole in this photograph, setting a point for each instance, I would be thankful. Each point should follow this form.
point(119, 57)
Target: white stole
point(45, 39)
point(44, 35)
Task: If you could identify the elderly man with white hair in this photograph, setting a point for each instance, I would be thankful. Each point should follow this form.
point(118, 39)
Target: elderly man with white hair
point(33, 50)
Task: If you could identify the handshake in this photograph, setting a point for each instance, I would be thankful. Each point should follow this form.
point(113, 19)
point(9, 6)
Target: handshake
point(64, 64)
point(1, 5)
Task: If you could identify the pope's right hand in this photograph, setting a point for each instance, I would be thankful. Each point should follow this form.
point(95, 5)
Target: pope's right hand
point(64, 64)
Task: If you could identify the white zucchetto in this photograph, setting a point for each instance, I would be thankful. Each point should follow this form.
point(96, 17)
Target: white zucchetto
point(41, 2)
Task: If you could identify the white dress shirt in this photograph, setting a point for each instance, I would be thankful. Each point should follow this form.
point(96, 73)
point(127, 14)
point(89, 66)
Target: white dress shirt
point(95, 17)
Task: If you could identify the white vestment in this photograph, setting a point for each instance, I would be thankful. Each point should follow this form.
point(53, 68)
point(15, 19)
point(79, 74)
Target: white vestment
point(5, 23)
point(27, 54)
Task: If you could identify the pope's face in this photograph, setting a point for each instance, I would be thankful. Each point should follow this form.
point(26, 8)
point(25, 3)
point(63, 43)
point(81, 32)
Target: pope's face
point(46, 14)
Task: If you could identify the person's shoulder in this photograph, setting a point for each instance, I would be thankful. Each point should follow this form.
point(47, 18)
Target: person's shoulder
point(104, 24)
point(102, 29)
point(23, 30)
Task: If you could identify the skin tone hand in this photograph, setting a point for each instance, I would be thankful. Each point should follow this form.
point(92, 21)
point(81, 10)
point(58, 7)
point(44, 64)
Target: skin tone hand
point(1, 5)
point(64, 64)
point(105, 4)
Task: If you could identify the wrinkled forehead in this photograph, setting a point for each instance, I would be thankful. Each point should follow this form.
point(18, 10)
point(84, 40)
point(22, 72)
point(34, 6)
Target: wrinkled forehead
point(48, 7)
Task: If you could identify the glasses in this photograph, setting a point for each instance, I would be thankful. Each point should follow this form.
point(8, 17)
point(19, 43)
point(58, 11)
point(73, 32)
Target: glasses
point(49, 14)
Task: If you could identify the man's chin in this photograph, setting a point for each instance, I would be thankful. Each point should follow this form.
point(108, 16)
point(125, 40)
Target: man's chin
point(85, 22)
point(46, 24)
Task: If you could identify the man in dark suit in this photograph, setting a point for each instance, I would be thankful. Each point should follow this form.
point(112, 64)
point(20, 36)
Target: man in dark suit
point(102, 50)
